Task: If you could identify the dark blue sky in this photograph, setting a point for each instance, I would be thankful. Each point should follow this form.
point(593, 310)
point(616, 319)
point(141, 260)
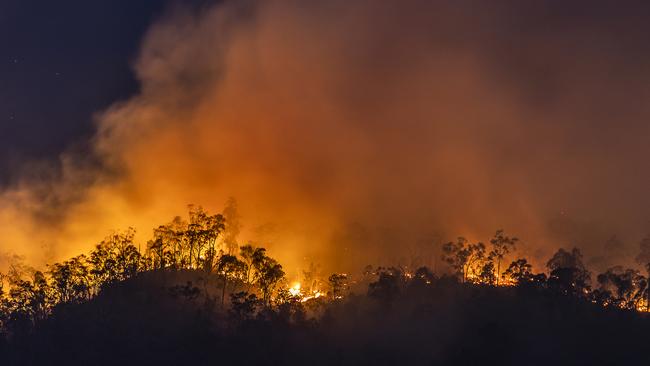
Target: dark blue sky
point(60, 62)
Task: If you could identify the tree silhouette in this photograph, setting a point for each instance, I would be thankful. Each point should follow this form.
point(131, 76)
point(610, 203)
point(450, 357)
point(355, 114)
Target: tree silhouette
point(388, 285)
point(519, 271)
point(116, 258)
point(268, 273)
point(229, 267)
point(252, 257)
point(41, 300)
point(424, 275)
point(71, 280)
point(620, 287)
point(487, 274)
point(464, 258)
point(311, 278)
point(35, 305)
point(568, 274)
point(643, 258)
point(501, 246)
point(243, 306)
point(338, 284)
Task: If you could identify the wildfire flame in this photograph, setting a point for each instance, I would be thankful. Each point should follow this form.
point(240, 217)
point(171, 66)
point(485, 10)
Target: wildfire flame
point(296, 290)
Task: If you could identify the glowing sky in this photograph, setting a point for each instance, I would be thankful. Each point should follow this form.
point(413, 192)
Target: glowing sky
point(354, 131)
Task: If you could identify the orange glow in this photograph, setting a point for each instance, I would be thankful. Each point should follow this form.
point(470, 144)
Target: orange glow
point(338, 142)
point(296, 290)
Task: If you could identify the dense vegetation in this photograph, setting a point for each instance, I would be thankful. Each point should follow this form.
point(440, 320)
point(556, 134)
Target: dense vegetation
point(194, 296)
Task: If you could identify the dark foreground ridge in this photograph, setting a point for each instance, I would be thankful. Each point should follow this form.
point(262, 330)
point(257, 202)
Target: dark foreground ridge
point(172, 318)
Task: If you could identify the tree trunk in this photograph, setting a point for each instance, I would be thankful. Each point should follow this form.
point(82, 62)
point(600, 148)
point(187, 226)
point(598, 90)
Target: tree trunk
point(191, 254)
point(223, 290)
point(498, 270)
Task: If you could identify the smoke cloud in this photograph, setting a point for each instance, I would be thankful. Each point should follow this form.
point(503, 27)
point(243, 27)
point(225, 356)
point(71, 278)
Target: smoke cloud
point(364, 132)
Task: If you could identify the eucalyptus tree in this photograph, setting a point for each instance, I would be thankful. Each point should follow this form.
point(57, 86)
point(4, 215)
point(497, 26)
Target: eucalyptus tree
point(501, 246)
point(252, 257)
point(116, 258)
point(621, 287)
point(268, 273)
point(71, 280)
point(519, 271)
point(229, 268)
point(568, 275)
point(464, 257)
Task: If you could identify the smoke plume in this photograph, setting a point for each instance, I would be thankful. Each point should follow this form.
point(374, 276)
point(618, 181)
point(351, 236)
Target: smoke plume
point(363, 132)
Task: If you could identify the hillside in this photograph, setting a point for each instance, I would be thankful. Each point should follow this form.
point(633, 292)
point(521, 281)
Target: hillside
point(174, 318)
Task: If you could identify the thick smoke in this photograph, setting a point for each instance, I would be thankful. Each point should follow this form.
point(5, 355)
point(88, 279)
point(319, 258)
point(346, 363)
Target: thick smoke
point(367, 132)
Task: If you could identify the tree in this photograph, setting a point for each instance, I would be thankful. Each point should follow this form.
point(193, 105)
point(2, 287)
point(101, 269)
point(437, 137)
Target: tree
point(643, 258)
point(423, 276)
point(194, 234)
point(338, 284)
point(463, 257)
point(71, 280)
point(158, 248)
point(311, 278)
point(201, 234)
point(624, 288)
point(519, 271)
point(243, 305)
point(210, 228)
point(167, 246)
point(252, 257)
point(388, 285)
point(116, 258)
point(487, 274)
point(268, 272)
point(229, 267)
point(42, 297)
point(501, 246)
point(189, 245)
point(568, 274)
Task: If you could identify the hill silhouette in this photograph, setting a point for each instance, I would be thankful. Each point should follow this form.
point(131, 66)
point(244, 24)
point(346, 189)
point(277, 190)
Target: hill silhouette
point(168, 318)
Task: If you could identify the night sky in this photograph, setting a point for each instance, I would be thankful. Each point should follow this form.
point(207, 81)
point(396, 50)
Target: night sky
point(60, 62)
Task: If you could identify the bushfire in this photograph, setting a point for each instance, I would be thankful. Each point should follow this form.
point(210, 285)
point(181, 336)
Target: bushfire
point(296, 291)
point(204, 245)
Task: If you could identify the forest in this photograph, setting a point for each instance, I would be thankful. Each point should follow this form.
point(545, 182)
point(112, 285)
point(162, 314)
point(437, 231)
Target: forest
point(194, 296)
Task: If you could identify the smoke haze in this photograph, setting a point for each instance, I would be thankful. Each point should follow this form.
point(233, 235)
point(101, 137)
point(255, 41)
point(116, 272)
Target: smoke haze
point(366, 131)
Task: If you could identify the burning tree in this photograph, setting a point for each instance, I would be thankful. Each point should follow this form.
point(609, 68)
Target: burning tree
point(116, 258)
point(501, 246)
point(268, 273)
point(71, 280)
point(230, 268)
point(466, 259)
point(519, 271)
point(568, 274)
point(624, 288)
point(643, 258)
